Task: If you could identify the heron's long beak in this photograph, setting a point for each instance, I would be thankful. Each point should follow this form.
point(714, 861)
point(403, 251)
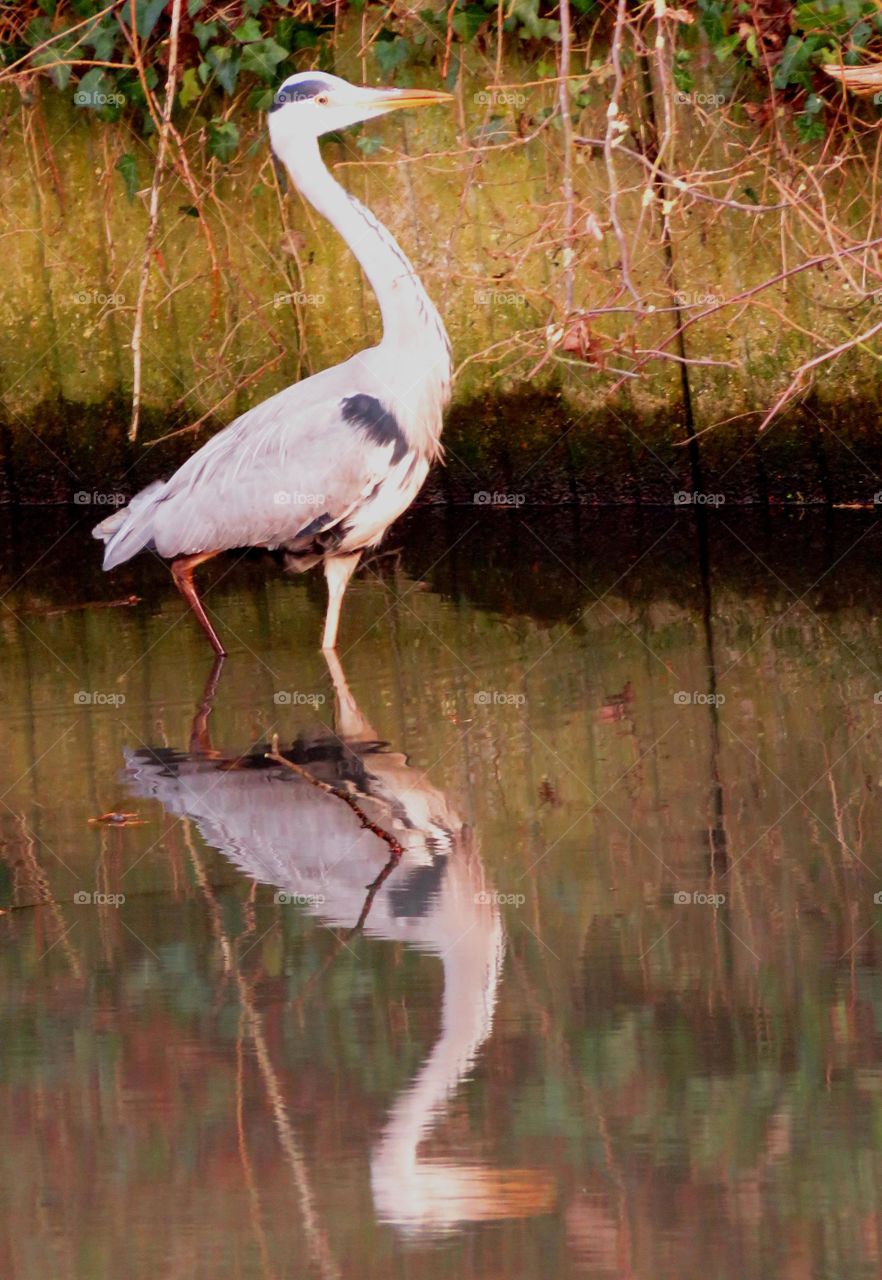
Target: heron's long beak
point(396, 99)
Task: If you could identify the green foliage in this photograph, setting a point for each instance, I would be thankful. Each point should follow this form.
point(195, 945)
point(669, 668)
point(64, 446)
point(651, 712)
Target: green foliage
point(248, 47)
point(127, 168)
point(223, 139)
point(790, 42)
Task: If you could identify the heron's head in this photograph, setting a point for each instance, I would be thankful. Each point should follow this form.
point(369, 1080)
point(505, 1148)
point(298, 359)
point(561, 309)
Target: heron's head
point(312, 103)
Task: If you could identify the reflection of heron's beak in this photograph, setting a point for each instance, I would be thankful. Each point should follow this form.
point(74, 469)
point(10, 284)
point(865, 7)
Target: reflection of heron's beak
point(396, 99)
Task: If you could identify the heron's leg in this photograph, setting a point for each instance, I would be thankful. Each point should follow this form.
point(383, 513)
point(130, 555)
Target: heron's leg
point(349, 720)
point(338, 571)
point(200, 737)
point(182, 572)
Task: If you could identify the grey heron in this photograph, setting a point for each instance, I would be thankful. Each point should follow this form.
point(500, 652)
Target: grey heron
point(322, 469)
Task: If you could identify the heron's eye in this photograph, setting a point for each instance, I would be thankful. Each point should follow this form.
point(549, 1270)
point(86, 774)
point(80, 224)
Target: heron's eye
point(322, 99)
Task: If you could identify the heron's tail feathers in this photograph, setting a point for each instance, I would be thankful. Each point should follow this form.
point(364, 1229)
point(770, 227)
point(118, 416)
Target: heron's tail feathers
point(130, 529)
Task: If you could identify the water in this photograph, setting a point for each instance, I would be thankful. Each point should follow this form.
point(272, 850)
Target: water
point(520, 1054)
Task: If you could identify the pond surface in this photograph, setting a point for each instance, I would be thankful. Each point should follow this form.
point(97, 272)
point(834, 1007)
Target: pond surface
point(597, 993)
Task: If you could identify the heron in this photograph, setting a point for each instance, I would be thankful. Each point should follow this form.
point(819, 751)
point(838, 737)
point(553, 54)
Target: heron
point(320, 470)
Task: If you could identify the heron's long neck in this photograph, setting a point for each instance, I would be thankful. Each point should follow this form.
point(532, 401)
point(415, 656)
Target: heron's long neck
point(409, 316)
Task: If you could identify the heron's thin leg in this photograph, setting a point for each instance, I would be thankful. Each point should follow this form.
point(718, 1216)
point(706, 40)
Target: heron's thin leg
point(200, 736)
point(349, 719)
point(338, 571)
point(182, 572)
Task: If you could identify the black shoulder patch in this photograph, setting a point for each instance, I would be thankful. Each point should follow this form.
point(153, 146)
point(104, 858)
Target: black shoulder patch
point(317, 525)
point(298, 92)
point(415, 895)
point(379, 425)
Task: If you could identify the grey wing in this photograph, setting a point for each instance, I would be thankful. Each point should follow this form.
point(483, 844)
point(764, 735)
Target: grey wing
point(294, 462)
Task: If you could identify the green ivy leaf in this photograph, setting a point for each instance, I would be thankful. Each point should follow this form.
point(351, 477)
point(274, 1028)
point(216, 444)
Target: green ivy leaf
point(205, 32)
point(391, 54)
point(190, 86)
point(223, 139)
point(127, 168)
point(724, 48)
point(468, 21)
point(248, 31)
point(60, 74)
point(102, 38)
point(146, 14)
point(93, 90)
point(263, 58)
point(225, 64)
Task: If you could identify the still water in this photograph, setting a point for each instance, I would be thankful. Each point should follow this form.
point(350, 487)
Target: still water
point(596, 993)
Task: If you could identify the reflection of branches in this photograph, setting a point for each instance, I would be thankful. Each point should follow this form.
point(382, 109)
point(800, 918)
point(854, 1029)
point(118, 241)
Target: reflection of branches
point(343, 940)
point(315, 1234)
point(397, 850)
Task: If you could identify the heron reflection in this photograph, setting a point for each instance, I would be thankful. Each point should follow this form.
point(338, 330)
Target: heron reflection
point(432, 894)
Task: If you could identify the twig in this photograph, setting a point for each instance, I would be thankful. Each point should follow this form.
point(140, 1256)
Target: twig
point(613, 137)
point(170, 84)
point(796, 381)
point(563, 101)
point(397, 850)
